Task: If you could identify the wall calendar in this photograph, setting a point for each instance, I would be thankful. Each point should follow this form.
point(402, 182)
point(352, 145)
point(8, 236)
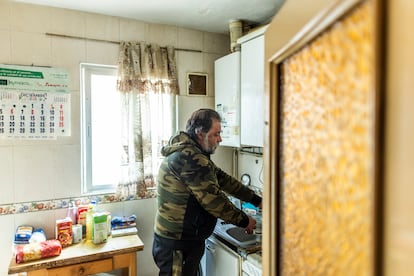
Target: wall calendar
point(34, 102)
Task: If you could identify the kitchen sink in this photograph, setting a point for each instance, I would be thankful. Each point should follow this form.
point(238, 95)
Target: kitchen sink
point(240, 235)
point(235, 235)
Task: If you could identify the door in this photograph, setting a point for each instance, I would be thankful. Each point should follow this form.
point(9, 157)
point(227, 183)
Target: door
point(321, 154)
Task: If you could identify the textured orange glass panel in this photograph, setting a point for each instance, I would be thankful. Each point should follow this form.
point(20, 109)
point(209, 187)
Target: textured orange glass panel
point(327, 161)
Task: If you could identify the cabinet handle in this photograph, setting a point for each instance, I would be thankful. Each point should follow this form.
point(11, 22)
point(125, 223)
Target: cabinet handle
point(81, 271)
point(210, 248)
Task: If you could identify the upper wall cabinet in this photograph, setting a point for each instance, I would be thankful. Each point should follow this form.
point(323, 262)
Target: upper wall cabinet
point(252, 88)
point(227, 97)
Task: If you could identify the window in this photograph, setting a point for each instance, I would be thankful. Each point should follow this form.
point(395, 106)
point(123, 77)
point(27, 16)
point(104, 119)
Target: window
point(100, 128)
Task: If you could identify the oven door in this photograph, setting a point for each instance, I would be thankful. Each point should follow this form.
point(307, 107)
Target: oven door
point(220, 260)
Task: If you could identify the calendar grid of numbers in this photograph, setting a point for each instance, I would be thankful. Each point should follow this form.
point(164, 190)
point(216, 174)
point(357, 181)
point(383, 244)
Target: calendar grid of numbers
point(34, 102)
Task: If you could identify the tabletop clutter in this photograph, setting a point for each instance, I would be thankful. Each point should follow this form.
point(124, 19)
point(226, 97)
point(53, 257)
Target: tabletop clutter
point(83, 222)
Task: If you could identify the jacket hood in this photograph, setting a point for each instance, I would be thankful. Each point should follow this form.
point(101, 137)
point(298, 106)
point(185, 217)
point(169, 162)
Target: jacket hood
point(179, 142)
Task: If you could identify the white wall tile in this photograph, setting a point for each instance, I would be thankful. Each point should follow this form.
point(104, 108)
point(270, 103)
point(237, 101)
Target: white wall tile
point(132, 30)
point(35, 173)
point(6, 175)
point(67, 22)
point(163, 35)
point(190, 39)
point(5, 47)
point(31, 18)
point(30, 48)
point(7, 231)
point(216, 43)
point(102, 27)
point(102, 53)
point(67, 172)
point(116, 209)
point(222, 158)
point(208, 66)
point(5, 15)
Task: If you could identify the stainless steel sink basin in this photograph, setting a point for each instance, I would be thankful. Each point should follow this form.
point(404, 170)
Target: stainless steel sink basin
point(235, 235)
point(240, 235)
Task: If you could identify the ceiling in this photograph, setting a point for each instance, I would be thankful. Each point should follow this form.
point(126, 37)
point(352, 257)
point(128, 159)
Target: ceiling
point(207, 15)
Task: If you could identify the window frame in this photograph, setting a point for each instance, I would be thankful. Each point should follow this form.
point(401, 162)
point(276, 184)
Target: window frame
point(86, 71)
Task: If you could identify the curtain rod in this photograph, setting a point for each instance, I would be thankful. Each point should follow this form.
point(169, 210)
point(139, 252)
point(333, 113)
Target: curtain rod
point(112, 41)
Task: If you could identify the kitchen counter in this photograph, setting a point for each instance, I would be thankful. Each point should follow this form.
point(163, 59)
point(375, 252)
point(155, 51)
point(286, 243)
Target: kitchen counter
point(242, 243)
point(86, 258)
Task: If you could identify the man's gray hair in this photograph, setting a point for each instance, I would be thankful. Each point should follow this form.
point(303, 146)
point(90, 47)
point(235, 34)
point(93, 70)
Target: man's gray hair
point(201, 121)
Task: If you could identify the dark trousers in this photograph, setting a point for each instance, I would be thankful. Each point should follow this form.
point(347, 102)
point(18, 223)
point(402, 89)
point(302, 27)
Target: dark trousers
point(177, 258)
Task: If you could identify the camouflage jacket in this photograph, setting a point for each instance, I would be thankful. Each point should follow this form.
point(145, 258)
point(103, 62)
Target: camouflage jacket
point(192, 193)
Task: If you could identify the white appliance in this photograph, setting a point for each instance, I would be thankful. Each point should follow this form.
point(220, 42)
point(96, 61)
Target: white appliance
point(219, 260)
point(227, 97)
point(250, 167)
point(252, 88)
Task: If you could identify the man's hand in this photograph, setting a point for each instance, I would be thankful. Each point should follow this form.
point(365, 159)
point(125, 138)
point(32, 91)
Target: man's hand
point(251, 226)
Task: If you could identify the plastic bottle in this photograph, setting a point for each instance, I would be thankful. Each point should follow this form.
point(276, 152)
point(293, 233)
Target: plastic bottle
point(89, 220)
point(72, 212)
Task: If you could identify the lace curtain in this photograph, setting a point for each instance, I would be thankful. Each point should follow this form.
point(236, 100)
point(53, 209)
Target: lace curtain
point(147, 81)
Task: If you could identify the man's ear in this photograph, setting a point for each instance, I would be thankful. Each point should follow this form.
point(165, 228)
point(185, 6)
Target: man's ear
point(200, 135)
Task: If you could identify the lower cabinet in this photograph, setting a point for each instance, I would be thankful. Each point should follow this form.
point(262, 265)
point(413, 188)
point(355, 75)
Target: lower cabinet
point(219, 260)
point(252, 266)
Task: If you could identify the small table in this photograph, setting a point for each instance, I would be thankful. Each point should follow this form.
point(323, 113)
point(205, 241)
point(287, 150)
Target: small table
point(87, 258)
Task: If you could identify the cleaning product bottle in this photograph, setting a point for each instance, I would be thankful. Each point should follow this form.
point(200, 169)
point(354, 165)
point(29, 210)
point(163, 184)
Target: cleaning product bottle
point(89, 219)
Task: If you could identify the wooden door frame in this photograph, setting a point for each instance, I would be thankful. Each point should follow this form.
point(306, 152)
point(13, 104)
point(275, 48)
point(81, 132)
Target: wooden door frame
point(297, 23)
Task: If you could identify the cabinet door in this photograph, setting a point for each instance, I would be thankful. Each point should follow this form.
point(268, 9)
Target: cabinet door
point(252, 92)
point(227, 97)
point(220, 260)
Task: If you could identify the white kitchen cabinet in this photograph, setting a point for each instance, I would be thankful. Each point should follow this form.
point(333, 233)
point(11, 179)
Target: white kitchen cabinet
point(227, 97)
point(252, 88)
point(220, 259)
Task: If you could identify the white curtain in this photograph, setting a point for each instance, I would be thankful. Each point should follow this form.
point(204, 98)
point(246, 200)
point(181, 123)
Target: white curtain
point(147, 81)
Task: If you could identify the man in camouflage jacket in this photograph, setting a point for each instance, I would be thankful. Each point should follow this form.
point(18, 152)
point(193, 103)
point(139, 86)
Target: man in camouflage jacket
point(192, 194)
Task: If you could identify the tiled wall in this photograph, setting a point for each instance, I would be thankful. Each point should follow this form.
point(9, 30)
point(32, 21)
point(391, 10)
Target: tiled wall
point(33, 171)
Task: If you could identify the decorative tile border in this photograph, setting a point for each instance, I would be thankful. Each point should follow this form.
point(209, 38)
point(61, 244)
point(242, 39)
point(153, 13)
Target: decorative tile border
point(63, 203)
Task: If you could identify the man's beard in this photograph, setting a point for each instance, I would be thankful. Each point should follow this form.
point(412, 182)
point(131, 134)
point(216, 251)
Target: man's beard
point(207, 147)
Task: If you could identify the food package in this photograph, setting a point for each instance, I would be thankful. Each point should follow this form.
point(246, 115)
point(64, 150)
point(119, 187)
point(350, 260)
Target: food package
point(37, 251)
point(100, 228)
point(82, 211)
point(38, 236)
point(64, 231)
point(123, 222)
point(23, 234)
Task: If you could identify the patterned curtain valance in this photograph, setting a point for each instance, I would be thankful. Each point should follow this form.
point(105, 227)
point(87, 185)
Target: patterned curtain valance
point(147, 67)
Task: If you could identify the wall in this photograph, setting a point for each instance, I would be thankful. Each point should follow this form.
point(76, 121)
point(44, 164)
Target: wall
point(399, 149)
point(44, 170)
